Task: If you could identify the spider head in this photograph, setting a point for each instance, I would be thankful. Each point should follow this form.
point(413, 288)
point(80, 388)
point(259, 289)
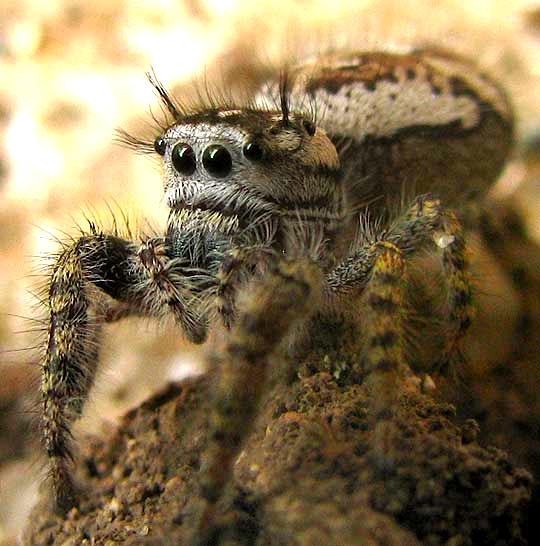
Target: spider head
point(249, 163)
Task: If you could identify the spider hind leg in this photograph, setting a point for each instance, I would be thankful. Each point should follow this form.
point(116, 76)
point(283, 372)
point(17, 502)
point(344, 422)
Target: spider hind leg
point(428, 220)
point(377, 270)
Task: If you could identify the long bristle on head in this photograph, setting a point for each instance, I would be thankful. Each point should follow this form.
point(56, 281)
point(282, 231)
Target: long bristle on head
point(140, 145)
point(171, 108)
point(202, 96)
point(284, 94)
point(167, 100)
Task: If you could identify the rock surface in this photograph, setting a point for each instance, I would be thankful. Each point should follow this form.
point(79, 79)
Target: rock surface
point(308, 475)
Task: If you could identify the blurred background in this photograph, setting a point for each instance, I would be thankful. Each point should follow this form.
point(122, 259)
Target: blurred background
point(71, 72)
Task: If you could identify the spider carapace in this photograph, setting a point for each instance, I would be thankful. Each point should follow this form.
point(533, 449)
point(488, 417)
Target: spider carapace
point(309, 202)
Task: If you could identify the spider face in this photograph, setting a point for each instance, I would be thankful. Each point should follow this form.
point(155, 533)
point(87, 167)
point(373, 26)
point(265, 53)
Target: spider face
point(247, 164)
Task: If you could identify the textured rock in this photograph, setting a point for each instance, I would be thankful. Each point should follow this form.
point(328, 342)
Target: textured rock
point(308, 475)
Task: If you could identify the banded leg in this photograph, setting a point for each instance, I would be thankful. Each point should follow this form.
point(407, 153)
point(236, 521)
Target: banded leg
point(424, 223)
point(427, 219)
point(383, 329)
point(68, 367)
point(94, 265)
point(229, 278)
point(266, 315)
point(169, 281)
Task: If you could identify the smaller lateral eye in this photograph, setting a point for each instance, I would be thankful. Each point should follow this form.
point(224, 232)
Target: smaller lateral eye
point(160, 145)
point(253, 151)
point(309, 127)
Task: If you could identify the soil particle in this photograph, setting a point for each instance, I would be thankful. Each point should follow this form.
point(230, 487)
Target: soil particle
point(308, 475)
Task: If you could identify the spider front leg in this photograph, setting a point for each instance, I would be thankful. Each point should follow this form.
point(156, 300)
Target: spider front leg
point(267, 312)
point(94, 266)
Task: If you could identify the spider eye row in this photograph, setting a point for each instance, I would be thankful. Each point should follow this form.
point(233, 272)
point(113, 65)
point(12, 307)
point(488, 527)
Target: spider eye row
point(216, 159)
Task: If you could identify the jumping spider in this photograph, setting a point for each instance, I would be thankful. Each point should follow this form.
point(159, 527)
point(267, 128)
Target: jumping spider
point(283, 213)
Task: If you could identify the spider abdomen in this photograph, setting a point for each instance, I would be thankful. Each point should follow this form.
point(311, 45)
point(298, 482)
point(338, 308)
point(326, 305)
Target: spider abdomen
point(406, 123)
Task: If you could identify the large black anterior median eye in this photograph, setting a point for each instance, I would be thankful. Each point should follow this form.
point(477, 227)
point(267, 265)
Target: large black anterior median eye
point(217, 160)
point(183, 158)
